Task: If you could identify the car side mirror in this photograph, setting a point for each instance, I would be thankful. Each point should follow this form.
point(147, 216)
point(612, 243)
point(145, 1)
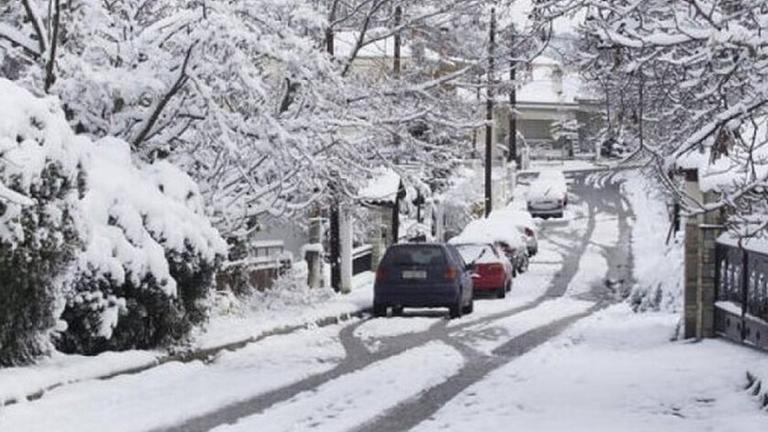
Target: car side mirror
point(468, 267)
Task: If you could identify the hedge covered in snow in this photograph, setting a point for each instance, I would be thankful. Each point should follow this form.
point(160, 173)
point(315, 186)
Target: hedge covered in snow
point(40, 228)
point(96, 249)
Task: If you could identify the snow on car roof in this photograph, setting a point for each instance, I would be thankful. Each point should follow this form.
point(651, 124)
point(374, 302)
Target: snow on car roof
point(477, 253)
point(547, 188)
point(514, 216)
point(490, 231)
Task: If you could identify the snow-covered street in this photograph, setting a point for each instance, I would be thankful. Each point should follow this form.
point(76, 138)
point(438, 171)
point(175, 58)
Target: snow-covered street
point(558, 353)
point(383, 215)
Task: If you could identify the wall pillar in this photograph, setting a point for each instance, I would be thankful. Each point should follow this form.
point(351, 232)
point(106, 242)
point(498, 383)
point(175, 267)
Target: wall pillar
point(700, 282)
point(708, 233)
point(381, 234)
point(345, 249)
point(313, 255)
point(690, 289)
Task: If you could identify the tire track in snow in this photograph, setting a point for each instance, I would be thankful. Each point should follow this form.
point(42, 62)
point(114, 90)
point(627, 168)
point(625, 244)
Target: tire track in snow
point(477, 364)
point(355, 398)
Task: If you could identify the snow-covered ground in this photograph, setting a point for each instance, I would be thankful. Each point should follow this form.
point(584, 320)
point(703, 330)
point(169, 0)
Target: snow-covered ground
point(173, 392)
point(486, 337)
point(275, 310)
point(353, 399)
point(615, 370)
point(612, 370)
point(17, 383)
point(272, 311)
point(371, 332)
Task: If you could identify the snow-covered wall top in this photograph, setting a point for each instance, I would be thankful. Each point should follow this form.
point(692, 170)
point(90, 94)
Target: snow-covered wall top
point(754, 244)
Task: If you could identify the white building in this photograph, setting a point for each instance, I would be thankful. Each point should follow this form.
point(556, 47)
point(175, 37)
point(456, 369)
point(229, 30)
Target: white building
point(551, 102)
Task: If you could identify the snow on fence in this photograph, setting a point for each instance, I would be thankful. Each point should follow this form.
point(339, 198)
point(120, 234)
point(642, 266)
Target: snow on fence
point(362, 259)
point(267, 260)
point(741, 296)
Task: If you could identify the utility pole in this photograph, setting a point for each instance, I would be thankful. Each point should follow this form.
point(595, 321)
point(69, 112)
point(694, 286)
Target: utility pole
point(512, 156)
point(335, 222)
point(398, 40)
point(489, 118)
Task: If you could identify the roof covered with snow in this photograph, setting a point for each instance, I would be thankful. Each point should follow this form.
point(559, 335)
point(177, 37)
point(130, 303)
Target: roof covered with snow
point(384, 186)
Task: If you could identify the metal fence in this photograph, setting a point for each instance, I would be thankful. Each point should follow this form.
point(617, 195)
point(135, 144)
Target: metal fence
point(267, 260)
point(362, 259)
point(741, 306)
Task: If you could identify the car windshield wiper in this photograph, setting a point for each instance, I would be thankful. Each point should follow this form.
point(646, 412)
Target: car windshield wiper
point(479, 256)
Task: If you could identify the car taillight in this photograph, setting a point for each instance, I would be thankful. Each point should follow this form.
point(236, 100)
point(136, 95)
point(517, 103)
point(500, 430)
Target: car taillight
point(381, 274)
point(494, 268)
point(529, 232)
point(450, 273)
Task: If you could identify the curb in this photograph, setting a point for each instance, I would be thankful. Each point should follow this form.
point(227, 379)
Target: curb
point(203, 354)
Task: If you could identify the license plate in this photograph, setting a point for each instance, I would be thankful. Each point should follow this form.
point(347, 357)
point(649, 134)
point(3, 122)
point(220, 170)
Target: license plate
point(414, 274)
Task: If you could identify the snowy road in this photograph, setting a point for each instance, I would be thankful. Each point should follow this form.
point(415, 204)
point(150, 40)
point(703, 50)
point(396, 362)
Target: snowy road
point(386, 374)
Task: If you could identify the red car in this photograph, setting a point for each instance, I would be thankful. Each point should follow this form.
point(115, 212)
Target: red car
point(493, 271)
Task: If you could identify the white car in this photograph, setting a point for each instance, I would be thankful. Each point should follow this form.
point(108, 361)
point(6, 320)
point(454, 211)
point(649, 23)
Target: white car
point(498, 232)
point(524, 223)
point(548, 194)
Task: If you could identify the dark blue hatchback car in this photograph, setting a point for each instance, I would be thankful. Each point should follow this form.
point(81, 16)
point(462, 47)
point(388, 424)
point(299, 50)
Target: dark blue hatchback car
point(423, 275)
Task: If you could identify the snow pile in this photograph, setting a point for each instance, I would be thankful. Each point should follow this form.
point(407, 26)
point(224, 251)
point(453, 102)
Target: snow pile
point(658, 267)
point(115, 240)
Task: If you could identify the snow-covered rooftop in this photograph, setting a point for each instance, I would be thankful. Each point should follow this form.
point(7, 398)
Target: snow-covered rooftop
point(383, 187)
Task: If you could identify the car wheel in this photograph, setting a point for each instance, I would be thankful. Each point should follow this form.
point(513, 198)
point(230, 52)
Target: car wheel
point(509, 285)
point(397, 310)
point(379, 310)
point(501, 292)
point(455, 310)
point(470, 307)
point(524, 265)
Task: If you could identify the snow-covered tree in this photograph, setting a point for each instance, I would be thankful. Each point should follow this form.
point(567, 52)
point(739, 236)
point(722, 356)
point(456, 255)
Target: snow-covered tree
point(694, 74)
point(118, 249)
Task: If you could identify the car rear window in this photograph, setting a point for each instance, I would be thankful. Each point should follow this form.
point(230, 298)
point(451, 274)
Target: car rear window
point(415, 255)
point(472, 252)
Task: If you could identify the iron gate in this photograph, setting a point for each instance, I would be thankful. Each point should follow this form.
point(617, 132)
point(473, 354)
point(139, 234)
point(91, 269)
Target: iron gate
point(741, 307)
